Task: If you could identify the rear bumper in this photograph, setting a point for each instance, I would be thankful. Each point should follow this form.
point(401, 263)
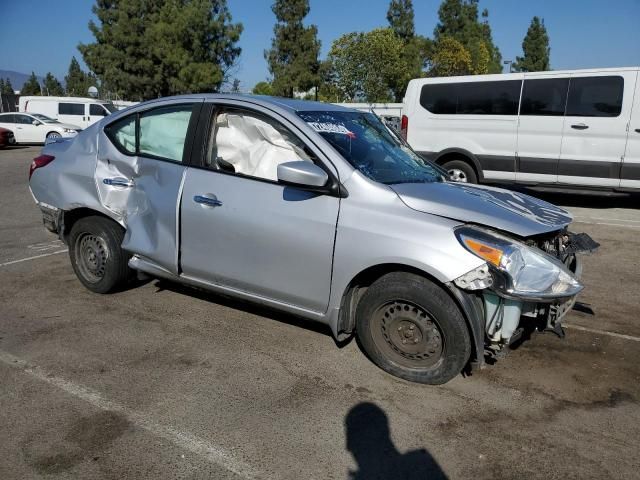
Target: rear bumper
point(51, 217)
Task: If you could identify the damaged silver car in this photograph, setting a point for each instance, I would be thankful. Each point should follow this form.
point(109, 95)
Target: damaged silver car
point(317, 210)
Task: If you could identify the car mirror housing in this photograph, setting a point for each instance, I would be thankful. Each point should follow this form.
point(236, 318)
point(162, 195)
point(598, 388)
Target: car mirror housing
point(305, 174)
point(35, 122)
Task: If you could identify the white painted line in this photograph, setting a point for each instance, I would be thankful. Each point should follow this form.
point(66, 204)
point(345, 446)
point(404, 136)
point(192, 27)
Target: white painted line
point(185, 440)
point(32, 258)
point(576, 220)
point(623, 220)
point(602, 332)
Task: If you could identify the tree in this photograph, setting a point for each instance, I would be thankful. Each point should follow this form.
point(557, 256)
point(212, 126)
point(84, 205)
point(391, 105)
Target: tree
point(450, 58)
point(400, 18)
point(536, 49)
point(7, 88)
point(293, 57)
point(77, 80)
point(52, 86)
point(149, 48)
point(31, 86)
point(235, 87)
point(262, 88)
point(459, 21)
point(366, 65)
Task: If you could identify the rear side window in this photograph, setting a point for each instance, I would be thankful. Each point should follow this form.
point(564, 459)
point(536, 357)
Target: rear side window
point(97, 110)
point(158, 133)
point(595, 96)
point(547, 96)
point(7, 119)
point(71, 109)
point(472, 98)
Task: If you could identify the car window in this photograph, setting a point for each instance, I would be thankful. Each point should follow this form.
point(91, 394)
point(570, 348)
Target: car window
point(163, 132)
point(23, 119)
point(472, 98)
point(97, 110)
point(7, 119)
point(251, 144)
point(545, 96)
point(71, 109)
point(595, 96)
point(123, 134)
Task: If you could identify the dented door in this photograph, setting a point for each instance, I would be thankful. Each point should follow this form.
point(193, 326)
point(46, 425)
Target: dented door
point(140, 170)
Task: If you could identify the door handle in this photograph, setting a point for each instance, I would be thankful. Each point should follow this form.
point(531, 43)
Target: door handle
point(208, 200)
point(118, 182)
point(579, 126)
point(637, 130)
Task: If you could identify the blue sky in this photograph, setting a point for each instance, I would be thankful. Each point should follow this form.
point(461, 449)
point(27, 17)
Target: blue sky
point(42, 35)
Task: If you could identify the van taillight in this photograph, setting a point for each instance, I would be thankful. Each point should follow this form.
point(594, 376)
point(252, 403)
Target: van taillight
point(404, 125)
point(38, 162)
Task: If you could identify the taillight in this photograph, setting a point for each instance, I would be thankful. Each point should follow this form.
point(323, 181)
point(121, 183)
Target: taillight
point(38, 162)
point(404, 125)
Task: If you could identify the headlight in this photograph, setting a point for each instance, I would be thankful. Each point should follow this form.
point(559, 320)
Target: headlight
point(519, 270)
point(68, 130)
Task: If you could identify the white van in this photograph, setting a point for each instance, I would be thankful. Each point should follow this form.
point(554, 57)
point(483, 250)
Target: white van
point(577, 128)
point(74, 110)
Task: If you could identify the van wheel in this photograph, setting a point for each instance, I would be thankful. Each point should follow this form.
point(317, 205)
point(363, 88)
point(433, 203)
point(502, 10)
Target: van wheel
point(411, 328)
point(96, 256)
point(461, 171)
point(53, 135)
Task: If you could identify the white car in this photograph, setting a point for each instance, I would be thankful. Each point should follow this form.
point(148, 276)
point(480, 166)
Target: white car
point(35, 127)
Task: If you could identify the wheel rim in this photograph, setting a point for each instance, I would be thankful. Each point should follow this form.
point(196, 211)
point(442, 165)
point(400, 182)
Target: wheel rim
point(54, 135)
point(458, 175)
point(407, 334)
point(91, 256)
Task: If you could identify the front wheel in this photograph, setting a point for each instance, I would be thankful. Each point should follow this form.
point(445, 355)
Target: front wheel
point(411, 328)
point(96, 256)
point(52, 135)
point(461, 171)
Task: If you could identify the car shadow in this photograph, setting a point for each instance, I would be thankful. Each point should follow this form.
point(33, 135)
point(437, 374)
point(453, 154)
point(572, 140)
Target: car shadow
point(595, 199)
point(246, 306)
point(15, 147)
point(369, 442)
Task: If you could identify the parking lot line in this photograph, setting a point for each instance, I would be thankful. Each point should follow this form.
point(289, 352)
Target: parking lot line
point(33, 258)
point(602, 332)
point(621, 225)
point(181, 439)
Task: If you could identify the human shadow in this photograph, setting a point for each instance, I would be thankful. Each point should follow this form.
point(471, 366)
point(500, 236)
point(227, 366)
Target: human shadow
point(370, 444)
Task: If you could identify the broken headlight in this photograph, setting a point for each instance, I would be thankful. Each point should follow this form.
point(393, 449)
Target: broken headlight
point(519, 270)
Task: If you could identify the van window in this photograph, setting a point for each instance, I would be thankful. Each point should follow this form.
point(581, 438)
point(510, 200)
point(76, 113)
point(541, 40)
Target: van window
point(595, 96)
point(71, 109)
point(163, 131)
point(472, 98)
point(545, 96)
point(97, 110)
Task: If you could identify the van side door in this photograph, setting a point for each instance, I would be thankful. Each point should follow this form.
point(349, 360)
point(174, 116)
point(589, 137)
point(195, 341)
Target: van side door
point(630, 175)
point(540, 127)
point(595, 128)
point(72, 113)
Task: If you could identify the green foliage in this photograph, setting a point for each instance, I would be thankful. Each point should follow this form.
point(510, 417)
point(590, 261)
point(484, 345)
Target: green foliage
point(293, 57)
point(52, 86)
point(459, 21)
point(31, 86)
point(367, 65)
point(450, 58)
point(262, 88)
point(8, 88)
point(536, 49)
point(150, 48)
point(77, 80)
point(400, 18)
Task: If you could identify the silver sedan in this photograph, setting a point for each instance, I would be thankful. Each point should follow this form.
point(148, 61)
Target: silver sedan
point(315, 209)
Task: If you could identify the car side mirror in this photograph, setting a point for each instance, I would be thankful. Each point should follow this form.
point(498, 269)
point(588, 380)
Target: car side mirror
point(35, 122)
point(304, 174)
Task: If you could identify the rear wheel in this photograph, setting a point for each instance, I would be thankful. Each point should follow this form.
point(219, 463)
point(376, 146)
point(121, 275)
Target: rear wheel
point(411, 328)
point(461, 171)
point(96, 256)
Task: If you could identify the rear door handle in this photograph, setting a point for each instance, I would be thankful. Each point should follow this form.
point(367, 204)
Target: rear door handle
point(637, 130)
point(118, 182)
point(579, 126)
point(208, 199)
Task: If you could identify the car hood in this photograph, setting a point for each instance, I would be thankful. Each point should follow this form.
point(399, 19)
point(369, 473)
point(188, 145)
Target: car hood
point(505, 210)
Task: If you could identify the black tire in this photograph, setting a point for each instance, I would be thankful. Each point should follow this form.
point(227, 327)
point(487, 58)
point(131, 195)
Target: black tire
point(464, 169)
point(96, 256)
point(411, 328)
point(53, 135)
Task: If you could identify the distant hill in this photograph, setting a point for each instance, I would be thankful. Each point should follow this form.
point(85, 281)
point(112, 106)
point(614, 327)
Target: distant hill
point(17, 79)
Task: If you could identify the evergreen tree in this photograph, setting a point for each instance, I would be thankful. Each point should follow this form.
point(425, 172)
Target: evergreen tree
point(77, 80)
point(8, 88)
point(536, 49)
point(235, 87)
point(459, 21)
point(293, 57)
point(400, 18)
point(149, 48)
point(31, 86)
point(52, 86)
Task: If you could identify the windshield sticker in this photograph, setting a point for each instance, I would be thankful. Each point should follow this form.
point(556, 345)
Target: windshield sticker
point(323, 127)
